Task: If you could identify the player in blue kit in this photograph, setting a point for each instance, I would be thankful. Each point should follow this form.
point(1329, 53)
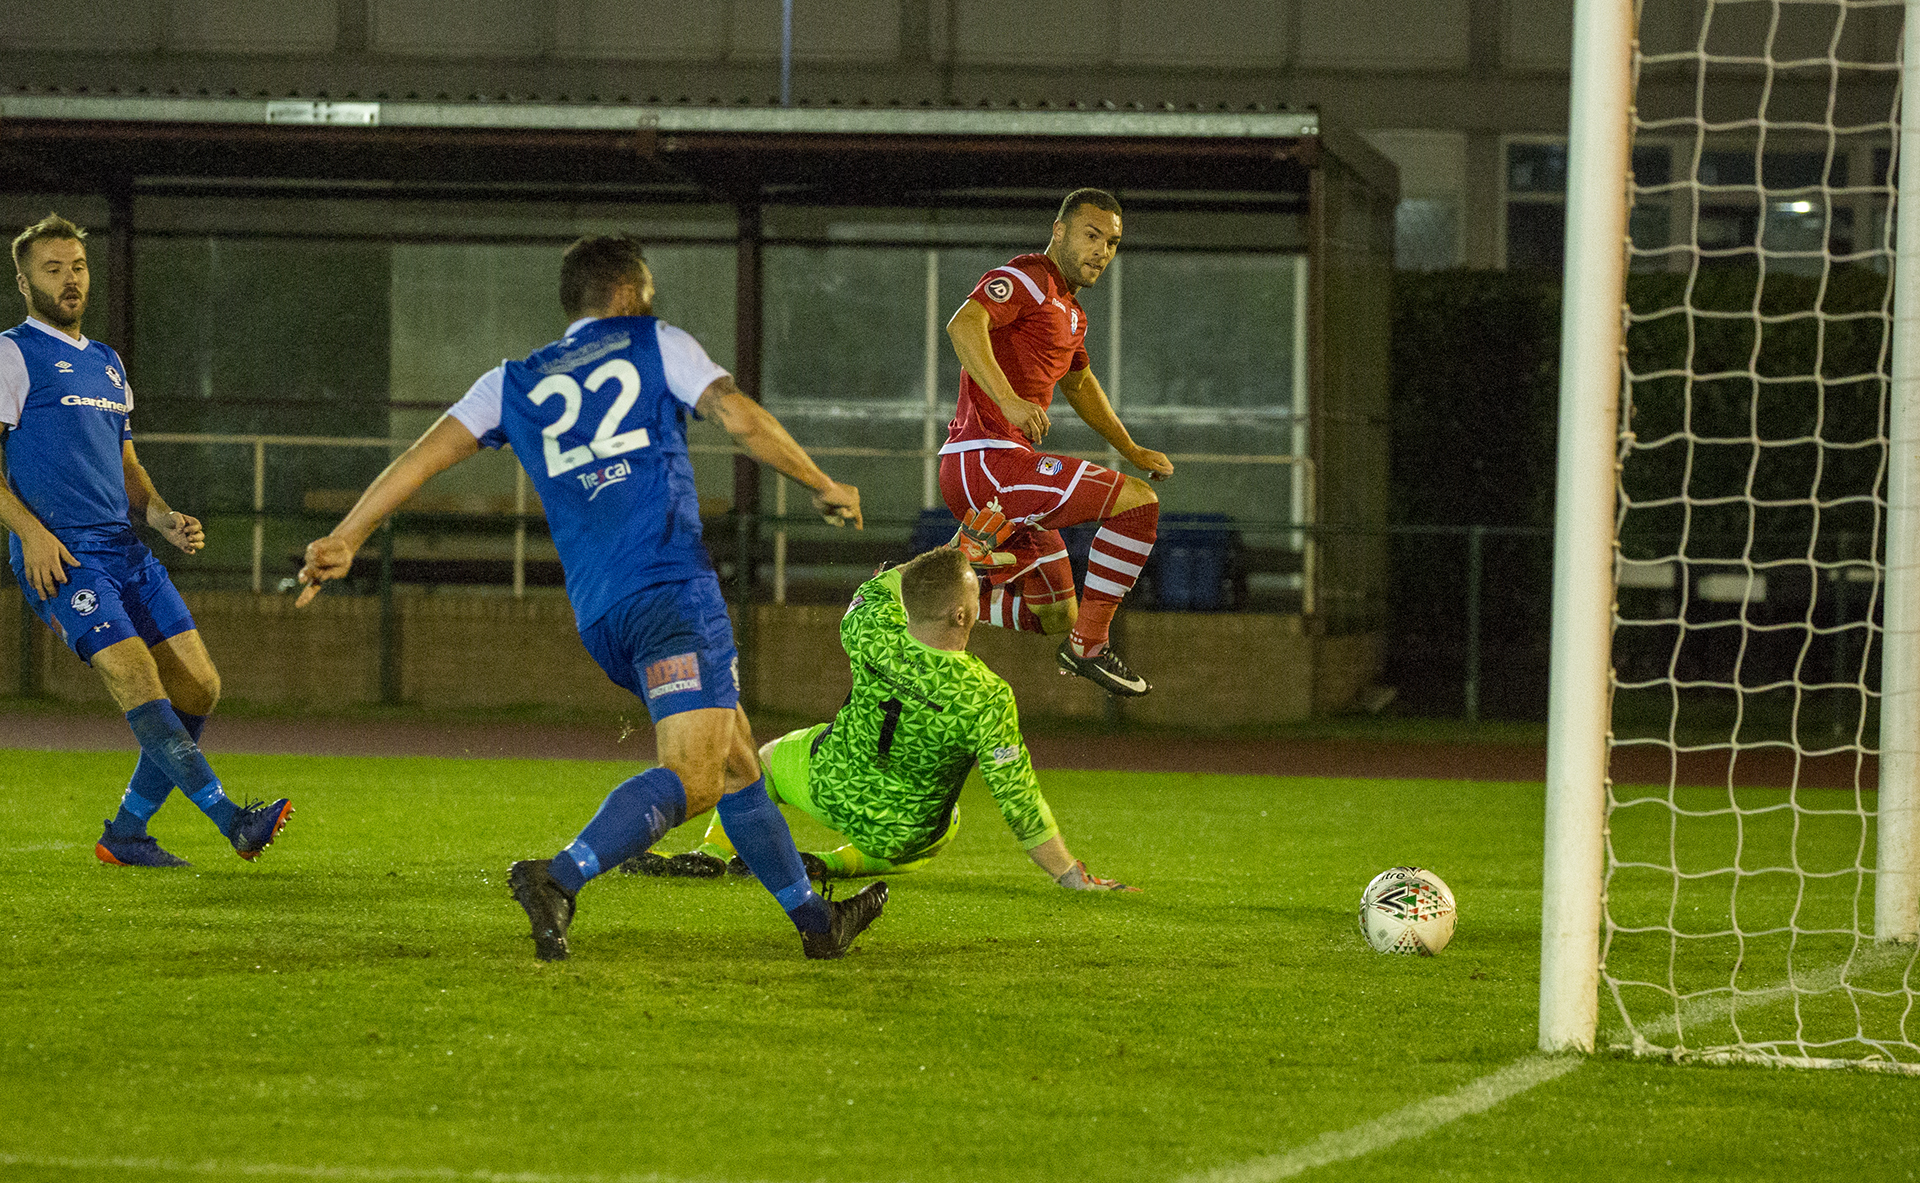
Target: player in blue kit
point(598, 420)
point(72, 481)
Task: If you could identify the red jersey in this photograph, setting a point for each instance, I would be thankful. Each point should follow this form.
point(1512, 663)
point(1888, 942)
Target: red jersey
point(1039, 333)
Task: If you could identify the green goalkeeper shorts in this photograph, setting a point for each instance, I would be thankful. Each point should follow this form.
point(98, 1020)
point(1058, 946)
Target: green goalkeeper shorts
point(789, 764)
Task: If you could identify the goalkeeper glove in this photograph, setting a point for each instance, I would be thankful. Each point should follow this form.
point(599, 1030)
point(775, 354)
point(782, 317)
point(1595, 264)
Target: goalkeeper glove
point(1078, 878)
point(980, 531)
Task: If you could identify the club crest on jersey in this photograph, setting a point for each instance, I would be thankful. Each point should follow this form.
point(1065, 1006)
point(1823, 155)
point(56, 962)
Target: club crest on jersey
point(65, 367)
point(600, 478)
point(84, 601)
point(1048, 465)
point(113, 376)
point(998, 289)
point(1073, 320)
point(670, 675)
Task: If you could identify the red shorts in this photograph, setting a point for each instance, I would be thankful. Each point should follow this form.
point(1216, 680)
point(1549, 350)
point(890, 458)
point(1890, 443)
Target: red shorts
point(1041, 491)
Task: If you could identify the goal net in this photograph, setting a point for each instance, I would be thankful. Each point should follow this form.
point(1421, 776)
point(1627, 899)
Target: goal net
point(1750, 629)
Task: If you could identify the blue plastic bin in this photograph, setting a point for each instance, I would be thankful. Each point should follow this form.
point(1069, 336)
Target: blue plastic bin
point(1192, 562)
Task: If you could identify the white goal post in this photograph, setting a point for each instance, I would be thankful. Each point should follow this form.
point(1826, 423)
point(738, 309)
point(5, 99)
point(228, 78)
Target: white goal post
point(1896, 904)
point(1723, 916)
point(1590, 343)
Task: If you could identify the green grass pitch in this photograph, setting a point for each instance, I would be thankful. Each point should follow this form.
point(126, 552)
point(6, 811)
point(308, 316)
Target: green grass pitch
point(363, 1002)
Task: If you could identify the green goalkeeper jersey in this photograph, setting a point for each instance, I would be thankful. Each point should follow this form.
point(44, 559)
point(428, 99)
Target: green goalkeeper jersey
point(889, 768)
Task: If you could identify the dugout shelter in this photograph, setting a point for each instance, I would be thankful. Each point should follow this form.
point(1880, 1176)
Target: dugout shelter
point(1251, 343)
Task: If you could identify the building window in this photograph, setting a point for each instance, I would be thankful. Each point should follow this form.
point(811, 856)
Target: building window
point(1536, 202)
point(1426, 234)
point(1801, 207)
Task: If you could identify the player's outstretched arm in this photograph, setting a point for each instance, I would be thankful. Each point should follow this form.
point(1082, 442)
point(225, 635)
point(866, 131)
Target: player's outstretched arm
point(1088, 399)
point(1007, 769)
point(970, 330)
point(442, 446)
point(755, 429)
point(182, 530)
point(1069, 872)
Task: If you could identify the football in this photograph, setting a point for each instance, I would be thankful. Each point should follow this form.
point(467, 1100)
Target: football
point(1407, 910)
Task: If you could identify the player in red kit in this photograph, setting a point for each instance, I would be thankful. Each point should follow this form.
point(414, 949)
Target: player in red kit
point(1019, 335)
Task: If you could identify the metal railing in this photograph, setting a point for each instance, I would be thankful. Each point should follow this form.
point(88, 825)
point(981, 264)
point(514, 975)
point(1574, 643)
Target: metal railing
point(257, 444)
point(787, 522)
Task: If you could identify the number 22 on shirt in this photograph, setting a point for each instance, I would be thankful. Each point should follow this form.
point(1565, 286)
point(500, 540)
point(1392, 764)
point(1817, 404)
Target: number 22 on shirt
point(608, 440)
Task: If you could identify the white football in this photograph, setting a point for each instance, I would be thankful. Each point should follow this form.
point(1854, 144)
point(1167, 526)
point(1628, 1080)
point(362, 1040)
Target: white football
point(1407, 910)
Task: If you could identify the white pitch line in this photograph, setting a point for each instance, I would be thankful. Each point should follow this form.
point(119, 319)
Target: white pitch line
point(1412, 1121)
point(97, 1166)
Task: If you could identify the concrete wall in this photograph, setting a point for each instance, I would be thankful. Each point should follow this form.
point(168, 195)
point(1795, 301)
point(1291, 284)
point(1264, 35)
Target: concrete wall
point(453, 651)
point(463, 650)
point(1208, 669)
point(1344, 667)
point(12, 639)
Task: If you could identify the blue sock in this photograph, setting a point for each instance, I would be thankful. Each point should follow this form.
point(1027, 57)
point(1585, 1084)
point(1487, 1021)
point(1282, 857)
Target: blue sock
point(765, 844)
point(149, 788)
point(632, 818)
point(164, 739)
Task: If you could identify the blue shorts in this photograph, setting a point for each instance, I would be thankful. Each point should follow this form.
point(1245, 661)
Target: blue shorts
point(672, 645)
point(118, 591)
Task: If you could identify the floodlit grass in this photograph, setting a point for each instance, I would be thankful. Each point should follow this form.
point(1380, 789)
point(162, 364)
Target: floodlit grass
point(363, 1001)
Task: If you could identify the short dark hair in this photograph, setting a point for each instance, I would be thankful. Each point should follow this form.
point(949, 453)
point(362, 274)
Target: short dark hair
point(593, 267)
point(934, 583)
point(1097, 198)
point(51, 226)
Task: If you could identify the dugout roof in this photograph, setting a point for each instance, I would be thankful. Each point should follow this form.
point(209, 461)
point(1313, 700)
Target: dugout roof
point(736, 154)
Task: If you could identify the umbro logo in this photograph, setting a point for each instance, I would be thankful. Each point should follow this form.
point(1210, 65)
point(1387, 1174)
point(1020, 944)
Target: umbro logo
point(65, 367)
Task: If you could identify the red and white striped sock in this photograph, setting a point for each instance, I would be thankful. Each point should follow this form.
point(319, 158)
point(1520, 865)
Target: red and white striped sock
point(1003, 607)
point(1120, 549)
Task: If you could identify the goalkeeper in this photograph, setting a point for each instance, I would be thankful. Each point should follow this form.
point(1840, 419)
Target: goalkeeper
point(886, 773)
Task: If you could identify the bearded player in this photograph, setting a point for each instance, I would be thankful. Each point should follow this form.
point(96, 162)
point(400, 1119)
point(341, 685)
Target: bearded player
point(72, 480)
point(1020, 334)
point(886, 773)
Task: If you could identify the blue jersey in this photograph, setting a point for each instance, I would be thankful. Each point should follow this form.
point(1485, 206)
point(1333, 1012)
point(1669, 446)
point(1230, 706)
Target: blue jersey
point(66, 405)
point(599, 421)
